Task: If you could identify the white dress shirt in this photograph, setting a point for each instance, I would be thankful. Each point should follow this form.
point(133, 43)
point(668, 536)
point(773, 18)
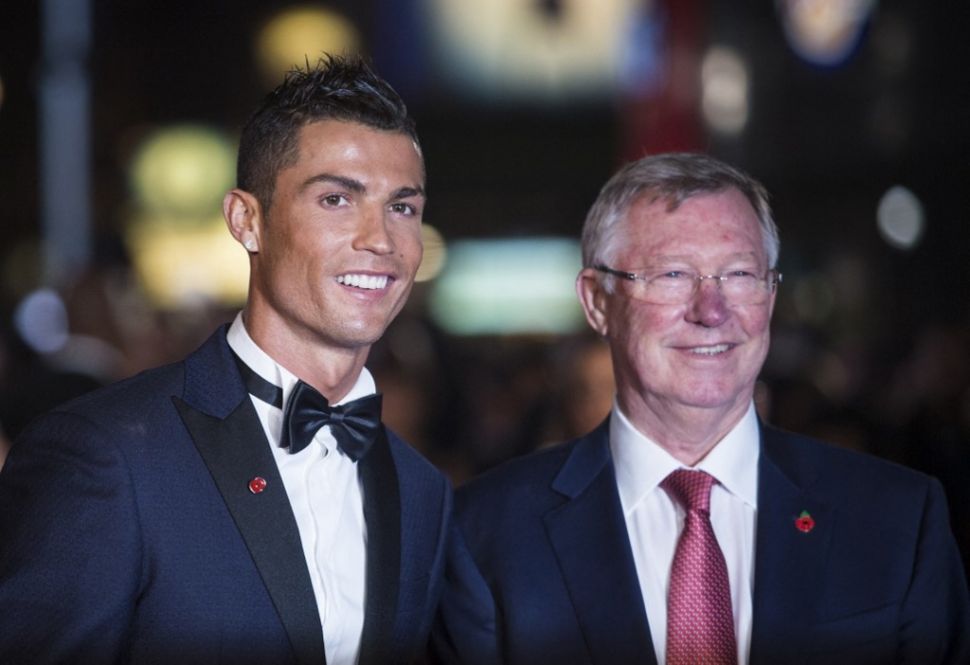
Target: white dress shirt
point(654, 521)
point(327, 500)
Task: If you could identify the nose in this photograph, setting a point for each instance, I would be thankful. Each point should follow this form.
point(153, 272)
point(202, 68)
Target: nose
point(372, 234)
point(708, 307)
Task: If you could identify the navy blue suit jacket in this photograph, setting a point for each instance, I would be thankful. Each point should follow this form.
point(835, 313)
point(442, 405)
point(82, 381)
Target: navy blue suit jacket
point(541, 569)
point(128, 533)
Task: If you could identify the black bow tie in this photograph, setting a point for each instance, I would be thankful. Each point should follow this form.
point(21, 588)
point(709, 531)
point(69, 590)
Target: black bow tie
point(354, 424)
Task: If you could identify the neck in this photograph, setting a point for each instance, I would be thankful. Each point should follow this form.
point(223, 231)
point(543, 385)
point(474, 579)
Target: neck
point(331, 370)
point(688, 433)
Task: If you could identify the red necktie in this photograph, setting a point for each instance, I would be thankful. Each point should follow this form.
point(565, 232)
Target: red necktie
point(700, 623)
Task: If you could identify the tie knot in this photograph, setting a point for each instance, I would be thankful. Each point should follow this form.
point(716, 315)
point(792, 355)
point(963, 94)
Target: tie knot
point(354, 425)
point(336, 415)
point(691, 489)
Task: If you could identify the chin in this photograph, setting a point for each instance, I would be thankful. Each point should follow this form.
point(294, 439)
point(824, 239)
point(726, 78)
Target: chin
point(711, 397)
point(363, 335)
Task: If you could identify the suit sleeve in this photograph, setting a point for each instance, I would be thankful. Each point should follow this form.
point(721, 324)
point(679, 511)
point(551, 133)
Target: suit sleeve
point(936, 613)
point(465, 627)
point(70, 550)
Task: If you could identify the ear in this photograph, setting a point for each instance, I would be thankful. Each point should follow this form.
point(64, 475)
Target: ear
point(593, 298)
point(243, 217)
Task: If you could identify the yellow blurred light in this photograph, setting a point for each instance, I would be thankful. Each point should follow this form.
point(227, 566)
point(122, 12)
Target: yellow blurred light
point(303, 33)
point(724, 90)
point(179, 266)
point(824, 31)
point(183, 171)
point(435, 253)
point(532, 49)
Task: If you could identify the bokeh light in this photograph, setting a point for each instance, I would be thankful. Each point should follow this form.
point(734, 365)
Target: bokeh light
point(298, 34)
point(900, 218)
point(534, 50)
point(725, 90)
point(179, 244)
point(435, 254)
point(824, 32)
point(41, 321)
point(506, 286)
point(182, 172)
point(179, 266)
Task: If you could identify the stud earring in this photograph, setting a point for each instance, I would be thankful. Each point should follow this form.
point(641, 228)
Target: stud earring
point(250, 245)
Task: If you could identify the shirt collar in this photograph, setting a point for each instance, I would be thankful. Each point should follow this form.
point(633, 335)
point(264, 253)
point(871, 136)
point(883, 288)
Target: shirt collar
point(641, 464)
point(261, 363)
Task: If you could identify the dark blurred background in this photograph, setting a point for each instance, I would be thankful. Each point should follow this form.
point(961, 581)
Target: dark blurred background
point(118, 123)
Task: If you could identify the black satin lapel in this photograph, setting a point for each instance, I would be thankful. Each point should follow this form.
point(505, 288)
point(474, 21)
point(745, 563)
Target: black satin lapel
point(591, 543)
point(382, 513)
point(235, 450)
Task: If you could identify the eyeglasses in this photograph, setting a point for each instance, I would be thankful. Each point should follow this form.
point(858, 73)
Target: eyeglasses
point(666, 286)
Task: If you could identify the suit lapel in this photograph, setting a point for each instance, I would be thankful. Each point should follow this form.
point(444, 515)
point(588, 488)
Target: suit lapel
point(382, 513)
point(589, 536)
point(235, 450)
point(789, 563)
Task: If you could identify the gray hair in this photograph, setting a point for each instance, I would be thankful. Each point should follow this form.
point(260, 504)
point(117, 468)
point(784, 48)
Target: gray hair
point(674, 178)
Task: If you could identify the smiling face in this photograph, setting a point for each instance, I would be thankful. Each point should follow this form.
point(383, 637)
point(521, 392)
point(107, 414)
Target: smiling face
point(334, 257)
point(705, 354)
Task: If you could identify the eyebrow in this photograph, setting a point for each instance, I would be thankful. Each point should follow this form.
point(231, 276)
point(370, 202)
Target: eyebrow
point(346, 183)
point(407, 193)
point(358, 187)
point(686, 257)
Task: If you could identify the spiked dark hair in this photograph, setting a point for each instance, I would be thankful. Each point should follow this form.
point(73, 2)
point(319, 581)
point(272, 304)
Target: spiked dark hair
point(337, 88)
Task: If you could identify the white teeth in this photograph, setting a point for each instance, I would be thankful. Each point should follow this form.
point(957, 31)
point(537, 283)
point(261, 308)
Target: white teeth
point(363, 281)
point(710, 350)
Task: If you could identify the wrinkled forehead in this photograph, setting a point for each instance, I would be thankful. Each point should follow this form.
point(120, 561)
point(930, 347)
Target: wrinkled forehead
point(708, 223)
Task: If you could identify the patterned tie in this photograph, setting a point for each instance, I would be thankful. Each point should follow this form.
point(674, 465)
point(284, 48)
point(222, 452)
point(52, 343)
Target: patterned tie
point(700, 623)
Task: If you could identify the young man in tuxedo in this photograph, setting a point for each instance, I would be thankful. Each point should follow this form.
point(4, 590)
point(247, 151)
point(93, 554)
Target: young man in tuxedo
point(246, 505)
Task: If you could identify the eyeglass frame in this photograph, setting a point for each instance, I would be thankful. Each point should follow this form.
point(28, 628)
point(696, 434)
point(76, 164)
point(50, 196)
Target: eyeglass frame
point(772, 278)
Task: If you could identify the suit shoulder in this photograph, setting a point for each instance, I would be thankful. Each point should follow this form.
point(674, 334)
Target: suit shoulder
point(129, 405)
point(120, 398)
point(855, 479)
point(522, 481)
point(823, 455)
point(139, 396)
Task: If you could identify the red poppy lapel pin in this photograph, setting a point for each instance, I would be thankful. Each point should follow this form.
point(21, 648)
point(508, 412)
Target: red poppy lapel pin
point(805, 522)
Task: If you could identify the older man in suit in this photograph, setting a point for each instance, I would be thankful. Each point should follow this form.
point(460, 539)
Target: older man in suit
point(247, 505)
point(684, 530)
